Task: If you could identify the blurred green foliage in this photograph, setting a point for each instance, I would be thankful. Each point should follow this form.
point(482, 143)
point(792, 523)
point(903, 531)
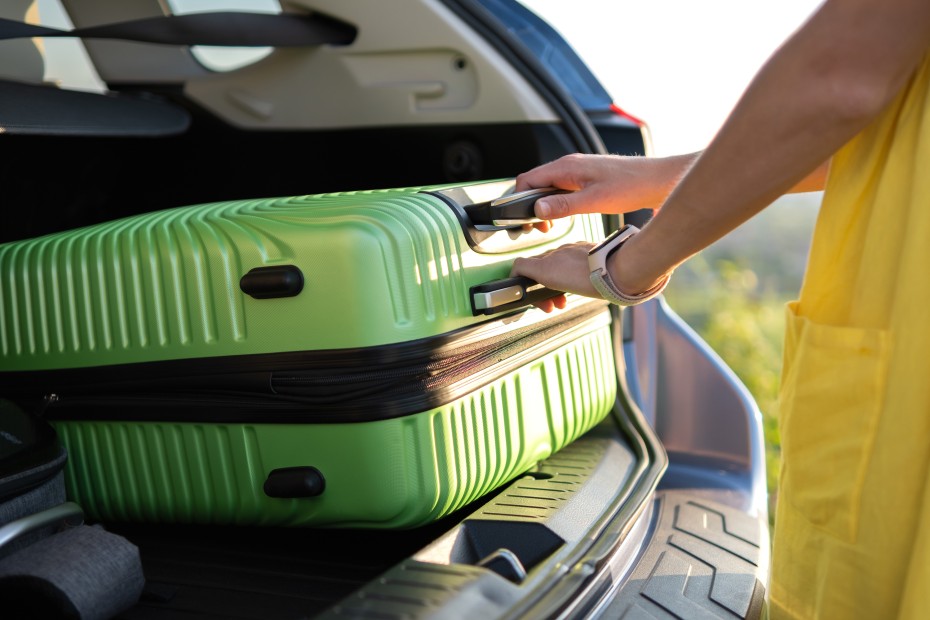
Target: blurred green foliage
point(733, 294)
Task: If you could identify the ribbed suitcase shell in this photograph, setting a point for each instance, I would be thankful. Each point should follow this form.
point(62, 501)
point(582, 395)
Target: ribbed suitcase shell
point(379, 268)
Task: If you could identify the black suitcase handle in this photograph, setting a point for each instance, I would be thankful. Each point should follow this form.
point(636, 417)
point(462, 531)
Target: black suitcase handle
point(512, 210)
point(508, 294)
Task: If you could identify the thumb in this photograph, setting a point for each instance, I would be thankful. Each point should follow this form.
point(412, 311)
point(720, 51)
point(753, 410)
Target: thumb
point(560, 205)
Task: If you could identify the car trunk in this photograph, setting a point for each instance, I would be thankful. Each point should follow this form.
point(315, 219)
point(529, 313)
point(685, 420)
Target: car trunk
point(611, 524)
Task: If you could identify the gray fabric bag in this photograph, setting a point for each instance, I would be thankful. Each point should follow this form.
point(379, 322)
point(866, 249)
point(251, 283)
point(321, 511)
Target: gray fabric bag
point(51, 564)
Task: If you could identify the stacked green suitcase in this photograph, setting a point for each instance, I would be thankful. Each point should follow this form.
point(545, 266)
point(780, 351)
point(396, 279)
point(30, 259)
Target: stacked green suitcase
point(300, 361)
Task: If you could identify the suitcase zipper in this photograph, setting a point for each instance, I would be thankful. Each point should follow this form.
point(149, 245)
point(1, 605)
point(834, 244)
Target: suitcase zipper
point(493, 360)
point(333, 395)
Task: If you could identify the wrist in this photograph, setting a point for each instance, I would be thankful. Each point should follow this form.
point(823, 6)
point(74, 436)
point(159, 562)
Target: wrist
point(629, 274)
point(600, 272)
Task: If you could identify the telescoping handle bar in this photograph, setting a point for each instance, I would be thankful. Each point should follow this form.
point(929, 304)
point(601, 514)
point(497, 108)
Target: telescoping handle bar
point(511, 210)
point(508, 294)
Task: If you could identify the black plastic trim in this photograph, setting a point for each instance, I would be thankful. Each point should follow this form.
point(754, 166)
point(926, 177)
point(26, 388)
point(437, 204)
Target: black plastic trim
point(542, 520)
point(496, 240)
point(219, 28)
point(530, 293)
point(572, 588)
point(30, 452)
point(704, 560)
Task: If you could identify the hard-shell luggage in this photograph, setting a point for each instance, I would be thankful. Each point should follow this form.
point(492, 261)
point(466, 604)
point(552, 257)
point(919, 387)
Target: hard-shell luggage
point(356, 359)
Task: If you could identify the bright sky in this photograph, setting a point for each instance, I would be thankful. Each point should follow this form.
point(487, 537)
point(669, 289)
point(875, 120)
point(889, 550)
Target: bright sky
point(680, 65)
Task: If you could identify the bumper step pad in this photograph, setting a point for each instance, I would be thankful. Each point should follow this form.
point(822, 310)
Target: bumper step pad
point(705, 560)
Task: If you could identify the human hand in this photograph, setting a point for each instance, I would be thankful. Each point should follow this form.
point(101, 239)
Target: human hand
point(603, 184)
point(564, 269)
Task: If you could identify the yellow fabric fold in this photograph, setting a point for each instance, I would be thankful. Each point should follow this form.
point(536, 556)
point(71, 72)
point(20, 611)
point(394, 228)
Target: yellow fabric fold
point(852, 524)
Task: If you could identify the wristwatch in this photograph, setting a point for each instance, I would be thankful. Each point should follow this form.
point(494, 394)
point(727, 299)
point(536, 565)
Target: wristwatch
point(600, 277)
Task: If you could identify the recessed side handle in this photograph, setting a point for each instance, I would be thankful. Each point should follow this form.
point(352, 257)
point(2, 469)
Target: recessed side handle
point(511, 210)
point(272, 282)
point(293, 482)
point(508, 294)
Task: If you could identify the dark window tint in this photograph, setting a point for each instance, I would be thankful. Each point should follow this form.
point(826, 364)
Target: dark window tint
point(553, 51)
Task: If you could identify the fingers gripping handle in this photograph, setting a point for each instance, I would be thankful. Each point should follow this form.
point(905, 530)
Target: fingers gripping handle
point(511, 210)
point(508, 294)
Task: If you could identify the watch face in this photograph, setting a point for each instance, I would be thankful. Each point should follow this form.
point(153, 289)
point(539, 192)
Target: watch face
point(607, 240)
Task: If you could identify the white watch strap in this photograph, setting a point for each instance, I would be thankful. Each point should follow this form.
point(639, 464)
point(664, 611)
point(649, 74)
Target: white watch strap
point(601, 279)
point(606, 287)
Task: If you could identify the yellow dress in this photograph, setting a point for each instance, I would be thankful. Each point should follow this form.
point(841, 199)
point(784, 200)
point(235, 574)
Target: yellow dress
point(852, 525)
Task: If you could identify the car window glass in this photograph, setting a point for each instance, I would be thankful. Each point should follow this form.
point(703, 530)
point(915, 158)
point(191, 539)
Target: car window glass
point(66, 61)
point(225, 58)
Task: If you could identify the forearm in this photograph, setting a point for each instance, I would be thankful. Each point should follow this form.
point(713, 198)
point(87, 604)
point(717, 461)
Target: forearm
point(822, 87)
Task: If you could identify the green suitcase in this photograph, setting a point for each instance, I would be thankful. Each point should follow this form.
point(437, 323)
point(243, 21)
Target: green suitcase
point(338, 360)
